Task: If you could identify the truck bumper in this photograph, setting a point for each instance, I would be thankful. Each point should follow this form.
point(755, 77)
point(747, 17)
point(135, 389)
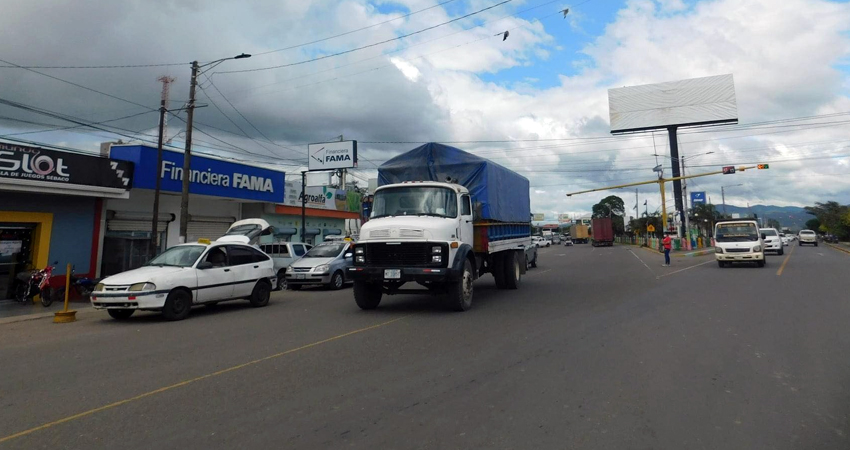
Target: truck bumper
point(417, 274)
point(739, 257)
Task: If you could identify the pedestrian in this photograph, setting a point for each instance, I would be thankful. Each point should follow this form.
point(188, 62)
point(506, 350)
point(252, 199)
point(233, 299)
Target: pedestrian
point(667, 242)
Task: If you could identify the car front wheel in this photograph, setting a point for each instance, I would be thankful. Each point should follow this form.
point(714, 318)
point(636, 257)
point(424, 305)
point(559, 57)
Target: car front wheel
point(120, 314)
point(178, 304)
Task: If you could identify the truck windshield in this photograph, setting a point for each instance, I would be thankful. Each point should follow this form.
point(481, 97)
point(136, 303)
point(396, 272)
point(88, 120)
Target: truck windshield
point(415, 201)
point(736, 232)
point(768, 231)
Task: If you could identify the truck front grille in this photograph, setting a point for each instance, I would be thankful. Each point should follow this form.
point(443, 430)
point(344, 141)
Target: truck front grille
point(405, 254)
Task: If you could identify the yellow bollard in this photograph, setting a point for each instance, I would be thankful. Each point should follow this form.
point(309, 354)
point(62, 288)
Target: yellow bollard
point(66, 316)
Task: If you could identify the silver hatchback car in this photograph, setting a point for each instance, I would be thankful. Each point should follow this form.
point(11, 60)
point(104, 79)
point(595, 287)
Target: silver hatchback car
point(325, 264)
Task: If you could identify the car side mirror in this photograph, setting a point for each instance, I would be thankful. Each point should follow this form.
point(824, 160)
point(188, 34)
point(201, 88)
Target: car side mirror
point(764, 236)
point(205, 265)
point(349, 255)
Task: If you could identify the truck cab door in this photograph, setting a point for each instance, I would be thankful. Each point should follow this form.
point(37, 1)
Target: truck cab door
point(466, 218)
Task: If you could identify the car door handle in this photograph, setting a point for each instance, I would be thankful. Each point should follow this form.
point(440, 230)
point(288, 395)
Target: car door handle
point(227, 270)
point(256, 267)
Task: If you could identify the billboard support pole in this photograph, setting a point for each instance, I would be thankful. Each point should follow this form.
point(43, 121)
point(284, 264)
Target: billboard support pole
point(677, 184)
point(303, 206)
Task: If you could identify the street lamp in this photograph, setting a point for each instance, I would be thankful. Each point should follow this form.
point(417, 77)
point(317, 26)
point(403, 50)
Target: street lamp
point(187, 154)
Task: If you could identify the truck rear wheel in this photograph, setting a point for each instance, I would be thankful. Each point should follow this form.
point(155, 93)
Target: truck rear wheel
point(512, 271)
point(367, 295)
point(460, 292)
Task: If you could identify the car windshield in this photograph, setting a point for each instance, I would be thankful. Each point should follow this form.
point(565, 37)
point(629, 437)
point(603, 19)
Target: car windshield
point(736, 232)
point(807, 233)
point(768, 231)
point(180, 256)
point(325, 251)
point(415, 201)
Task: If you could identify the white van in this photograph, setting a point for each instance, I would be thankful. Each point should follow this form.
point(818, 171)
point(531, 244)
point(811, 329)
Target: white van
point(738, 240)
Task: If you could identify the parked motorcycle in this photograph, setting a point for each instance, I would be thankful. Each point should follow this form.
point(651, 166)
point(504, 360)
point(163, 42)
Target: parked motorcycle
point(82, 285)
point(36, 283)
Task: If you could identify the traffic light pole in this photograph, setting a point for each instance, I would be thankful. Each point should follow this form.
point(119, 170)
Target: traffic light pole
point(660, 182)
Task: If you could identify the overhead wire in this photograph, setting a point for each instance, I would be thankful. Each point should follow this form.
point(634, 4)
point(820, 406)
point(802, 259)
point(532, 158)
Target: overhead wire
point(375, 44)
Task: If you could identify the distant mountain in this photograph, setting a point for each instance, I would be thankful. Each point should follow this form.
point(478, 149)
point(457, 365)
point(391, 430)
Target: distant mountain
point(793, 217)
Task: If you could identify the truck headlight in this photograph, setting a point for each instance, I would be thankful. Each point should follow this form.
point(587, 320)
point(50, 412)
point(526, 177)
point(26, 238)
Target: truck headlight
point(718, 250)
point(360, 259)
point(436, 258)
point(322, 269)
point(142, 287)
point(757, 248)
point(437, 250)
point(359, 250)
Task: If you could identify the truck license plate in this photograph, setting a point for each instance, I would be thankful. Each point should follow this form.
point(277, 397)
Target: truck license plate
point(392, 274)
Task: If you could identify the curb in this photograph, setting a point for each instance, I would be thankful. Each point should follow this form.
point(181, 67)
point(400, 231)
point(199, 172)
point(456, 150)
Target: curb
point(841, 249)
point(45, 315)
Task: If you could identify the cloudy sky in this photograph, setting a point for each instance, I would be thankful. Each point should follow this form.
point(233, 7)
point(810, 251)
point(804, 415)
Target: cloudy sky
point(393, 74)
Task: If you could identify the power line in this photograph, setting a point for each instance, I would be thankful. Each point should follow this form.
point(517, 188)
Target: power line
point(122, 66)
point(63, 128)
point(258, 69)
point(354, 31)
point(395, 51)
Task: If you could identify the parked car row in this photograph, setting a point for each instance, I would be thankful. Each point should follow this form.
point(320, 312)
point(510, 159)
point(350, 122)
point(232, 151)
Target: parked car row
point(234, 267)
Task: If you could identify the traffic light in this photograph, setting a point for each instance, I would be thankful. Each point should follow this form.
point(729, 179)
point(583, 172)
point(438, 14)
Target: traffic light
point(728, 170)
point(763, 166)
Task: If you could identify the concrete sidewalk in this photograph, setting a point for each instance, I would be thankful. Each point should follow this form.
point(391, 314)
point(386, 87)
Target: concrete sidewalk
point(12, 311)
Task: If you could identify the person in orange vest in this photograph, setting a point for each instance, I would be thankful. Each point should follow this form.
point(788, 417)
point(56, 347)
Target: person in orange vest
point(667, 242)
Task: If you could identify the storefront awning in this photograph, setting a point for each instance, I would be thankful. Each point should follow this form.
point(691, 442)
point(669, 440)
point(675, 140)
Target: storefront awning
point(312, 231)
point(331, 232)
point(285, 231)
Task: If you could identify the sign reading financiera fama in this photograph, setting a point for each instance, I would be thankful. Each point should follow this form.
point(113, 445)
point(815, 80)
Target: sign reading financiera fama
point(39, 166)
point(332, 155)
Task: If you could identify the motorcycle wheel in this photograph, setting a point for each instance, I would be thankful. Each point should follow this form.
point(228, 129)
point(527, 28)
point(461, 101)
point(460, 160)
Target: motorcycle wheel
point(46, 295)
point(21, 292)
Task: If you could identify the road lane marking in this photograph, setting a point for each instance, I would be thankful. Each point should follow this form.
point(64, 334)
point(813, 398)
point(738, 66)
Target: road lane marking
point(686, 268)
point(536, 272)
point(641, 261)
point(784, 263)
point(193, 380)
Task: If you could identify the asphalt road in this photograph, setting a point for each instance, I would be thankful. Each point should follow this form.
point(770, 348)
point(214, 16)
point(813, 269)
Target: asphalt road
point(599, 349)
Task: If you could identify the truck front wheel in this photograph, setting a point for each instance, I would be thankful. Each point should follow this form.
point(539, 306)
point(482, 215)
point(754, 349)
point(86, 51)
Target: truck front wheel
point(460, 292)
point(512, 272)
point(367, 295)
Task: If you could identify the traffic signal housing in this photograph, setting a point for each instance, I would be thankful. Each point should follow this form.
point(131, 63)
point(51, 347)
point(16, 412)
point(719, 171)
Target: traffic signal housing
point(763, 166)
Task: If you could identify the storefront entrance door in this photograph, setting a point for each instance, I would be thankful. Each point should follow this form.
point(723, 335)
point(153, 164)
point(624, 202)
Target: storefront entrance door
point(15, 254)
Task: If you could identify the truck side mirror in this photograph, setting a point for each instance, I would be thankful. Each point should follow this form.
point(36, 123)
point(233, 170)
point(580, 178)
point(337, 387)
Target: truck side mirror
point(764, 236)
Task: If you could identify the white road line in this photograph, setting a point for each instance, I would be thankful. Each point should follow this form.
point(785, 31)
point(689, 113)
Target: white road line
point(820, 254)
point(686, 268)
point(641, 261)
point(536, 272)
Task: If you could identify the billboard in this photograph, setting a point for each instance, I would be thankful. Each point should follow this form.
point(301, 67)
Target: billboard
point(538, 217)
point(697, 101)
point(323, 197)
point(697, 197)
point(34, 166)
point(564, 218)
point(332, 155)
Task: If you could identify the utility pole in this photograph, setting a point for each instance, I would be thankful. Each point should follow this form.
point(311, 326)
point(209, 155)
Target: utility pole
point(163, 105)
point(677, 183)
point(187, 156)
point(687, 218)
point(723, 197)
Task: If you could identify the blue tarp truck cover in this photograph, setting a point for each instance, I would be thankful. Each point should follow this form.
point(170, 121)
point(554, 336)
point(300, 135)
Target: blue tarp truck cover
point(502, 193)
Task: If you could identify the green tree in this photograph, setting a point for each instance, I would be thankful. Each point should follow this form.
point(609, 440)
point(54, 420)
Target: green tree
point(813, 224)
point(831, 216)
point(613, 207)
point(773, 223)
point(704, 215)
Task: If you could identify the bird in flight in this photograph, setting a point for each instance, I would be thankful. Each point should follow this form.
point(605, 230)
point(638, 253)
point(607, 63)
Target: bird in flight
point(504, 35)
point(565, 11)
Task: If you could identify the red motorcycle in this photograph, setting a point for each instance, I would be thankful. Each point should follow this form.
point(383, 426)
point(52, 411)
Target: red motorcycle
point(36, 283)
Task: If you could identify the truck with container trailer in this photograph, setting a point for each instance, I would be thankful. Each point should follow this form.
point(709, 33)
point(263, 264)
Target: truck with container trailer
point(442, 218)
point(579, 233)
point(602, 231)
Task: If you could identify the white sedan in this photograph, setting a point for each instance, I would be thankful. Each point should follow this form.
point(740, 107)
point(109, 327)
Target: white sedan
point(188, 275)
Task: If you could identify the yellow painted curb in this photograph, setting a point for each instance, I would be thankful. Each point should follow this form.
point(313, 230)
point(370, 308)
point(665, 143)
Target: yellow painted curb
point(839, 248)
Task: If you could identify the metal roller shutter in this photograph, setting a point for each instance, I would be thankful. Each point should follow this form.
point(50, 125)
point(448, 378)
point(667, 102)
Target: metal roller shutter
point(210, 228)
point(134, 225)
